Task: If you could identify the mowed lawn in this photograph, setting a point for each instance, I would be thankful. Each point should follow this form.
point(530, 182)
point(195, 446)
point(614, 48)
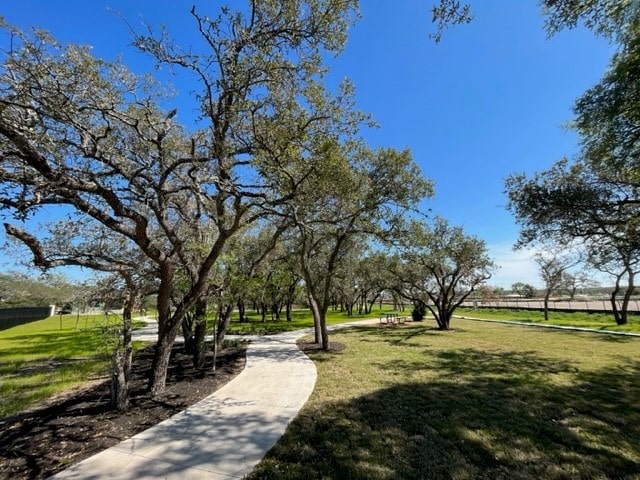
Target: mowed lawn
point(482, 401)
point(43, 358)
point(596, 321)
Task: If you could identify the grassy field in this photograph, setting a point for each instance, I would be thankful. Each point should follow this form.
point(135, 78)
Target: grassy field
point(482, 401)
point(300, 319)
point(43, 358)
point(598, 321)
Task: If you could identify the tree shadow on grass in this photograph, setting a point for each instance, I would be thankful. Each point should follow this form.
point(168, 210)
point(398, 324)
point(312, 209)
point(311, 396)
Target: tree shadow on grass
point(396, 336)
point(489, 415)
point(618, 338)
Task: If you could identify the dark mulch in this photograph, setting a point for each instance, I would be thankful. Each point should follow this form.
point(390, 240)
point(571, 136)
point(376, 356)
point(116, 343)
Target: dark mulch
point(48, 439)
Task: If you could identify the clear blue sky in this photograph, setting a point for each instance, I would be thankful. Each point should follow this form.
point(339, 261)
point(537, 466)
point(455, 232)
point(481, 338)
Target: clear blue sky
point(489, 100)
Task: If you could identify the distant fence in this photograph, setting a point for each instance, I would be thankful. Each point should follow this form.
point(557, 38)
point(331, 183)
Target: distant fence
point(592, 306)
point(12, 317)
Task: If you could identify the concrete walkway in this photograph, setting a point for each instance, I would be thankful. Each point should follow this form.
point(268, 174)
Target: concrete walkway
point(225, 435)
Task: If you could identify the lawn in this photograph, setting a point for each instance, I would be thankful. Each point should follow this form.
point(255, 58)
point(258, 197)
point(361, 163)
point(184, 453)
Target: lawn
point(41, 359)
point(598, 321)
point(46, 357)
point(301, 318)
point(482, 401)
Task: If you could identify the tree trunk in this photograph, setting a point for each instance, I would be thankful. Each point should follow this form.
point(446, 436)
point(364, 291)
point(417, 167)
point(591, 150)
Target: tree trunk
point(200, 328)
point(627, 298)
point(121, 360)
point(614, 300)
point(443, 319)
point(291, 293)
point(127, 337)
point(241, 311)
point(446, 319)
point(315, 313)
point(119, 385)
point(373, 302)
point(187, 333)
point(162, 355)
point(546, 305)
point(621, 314)
point(288, 308)
point(168, 326)
point(224, 319)
point(320, 324)
point(324, 332)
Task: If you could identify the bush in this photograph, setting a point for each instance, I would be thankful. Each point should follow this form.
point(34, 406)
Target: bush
point(419, 311)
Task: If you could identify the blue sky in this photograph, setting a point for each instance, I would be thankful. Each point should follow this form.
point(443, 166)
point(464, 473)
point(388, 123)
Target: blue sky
point(491, 99)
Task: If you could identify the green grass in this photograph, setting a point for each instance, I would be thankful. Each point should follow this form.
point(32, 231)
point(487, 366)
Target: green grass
point(599, 321)
point(300, 319)
point(482, 401)
point(47, 357)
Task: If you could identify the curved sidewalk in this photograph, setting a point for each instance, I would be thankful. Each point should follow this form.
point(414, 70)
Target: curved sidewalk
point(223, 436)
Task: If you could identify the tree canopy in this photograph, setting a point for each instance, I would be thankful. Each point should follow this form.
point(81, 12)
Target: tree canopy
point(440, 266)
point(594, 200)
point(86, 133)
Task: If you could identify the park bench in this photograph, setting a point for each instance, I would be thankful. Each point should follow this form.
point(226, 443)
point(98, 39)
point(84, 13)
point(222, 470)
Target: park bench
point(392, 319)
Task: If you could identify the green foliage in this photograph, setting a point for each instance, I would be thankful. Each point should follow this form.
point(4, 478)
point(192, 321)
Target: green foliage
point(596, 200)
point(485, 401)
point(609, 18)
point(439, 265)
point(523, 289)
point(596, 196)
point(448, 13)
point(82, 132)
point(419, 311)
point(20, 290)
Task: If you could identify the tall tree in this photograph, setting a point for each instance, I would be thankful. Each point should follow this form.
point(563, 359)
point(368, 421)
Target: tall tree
point(352, 193)
point(553, 267)
point(441, 266)
point(597, 198)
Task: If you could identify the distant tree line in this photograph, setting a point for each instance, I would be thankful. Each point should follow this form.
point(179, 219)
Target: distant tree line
point(19, 289)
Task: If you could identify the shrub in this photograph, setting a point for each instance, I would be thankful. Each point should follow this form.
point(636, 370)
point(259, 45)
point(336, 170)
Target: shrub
point(419, 310)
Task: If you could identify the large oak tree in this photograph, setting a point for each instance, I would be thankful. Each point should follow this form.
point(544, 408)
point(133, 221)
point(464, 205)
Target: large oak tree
point(440, 265)
point(85, 133)
point(595, 199)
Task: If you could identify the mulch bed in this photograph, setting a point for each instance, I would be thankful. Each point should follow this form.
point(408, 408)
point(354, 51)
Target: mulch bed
point(50, 438)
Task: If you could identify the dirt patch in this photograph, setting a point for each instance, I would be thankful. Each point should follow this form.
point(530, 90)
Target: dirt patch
point(78, 424)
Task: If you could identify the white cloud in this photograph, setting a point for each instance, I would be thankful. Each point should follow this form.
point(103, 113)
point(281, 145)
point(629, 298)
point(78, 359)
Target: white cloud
point(513, 266)
point(519, 266)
